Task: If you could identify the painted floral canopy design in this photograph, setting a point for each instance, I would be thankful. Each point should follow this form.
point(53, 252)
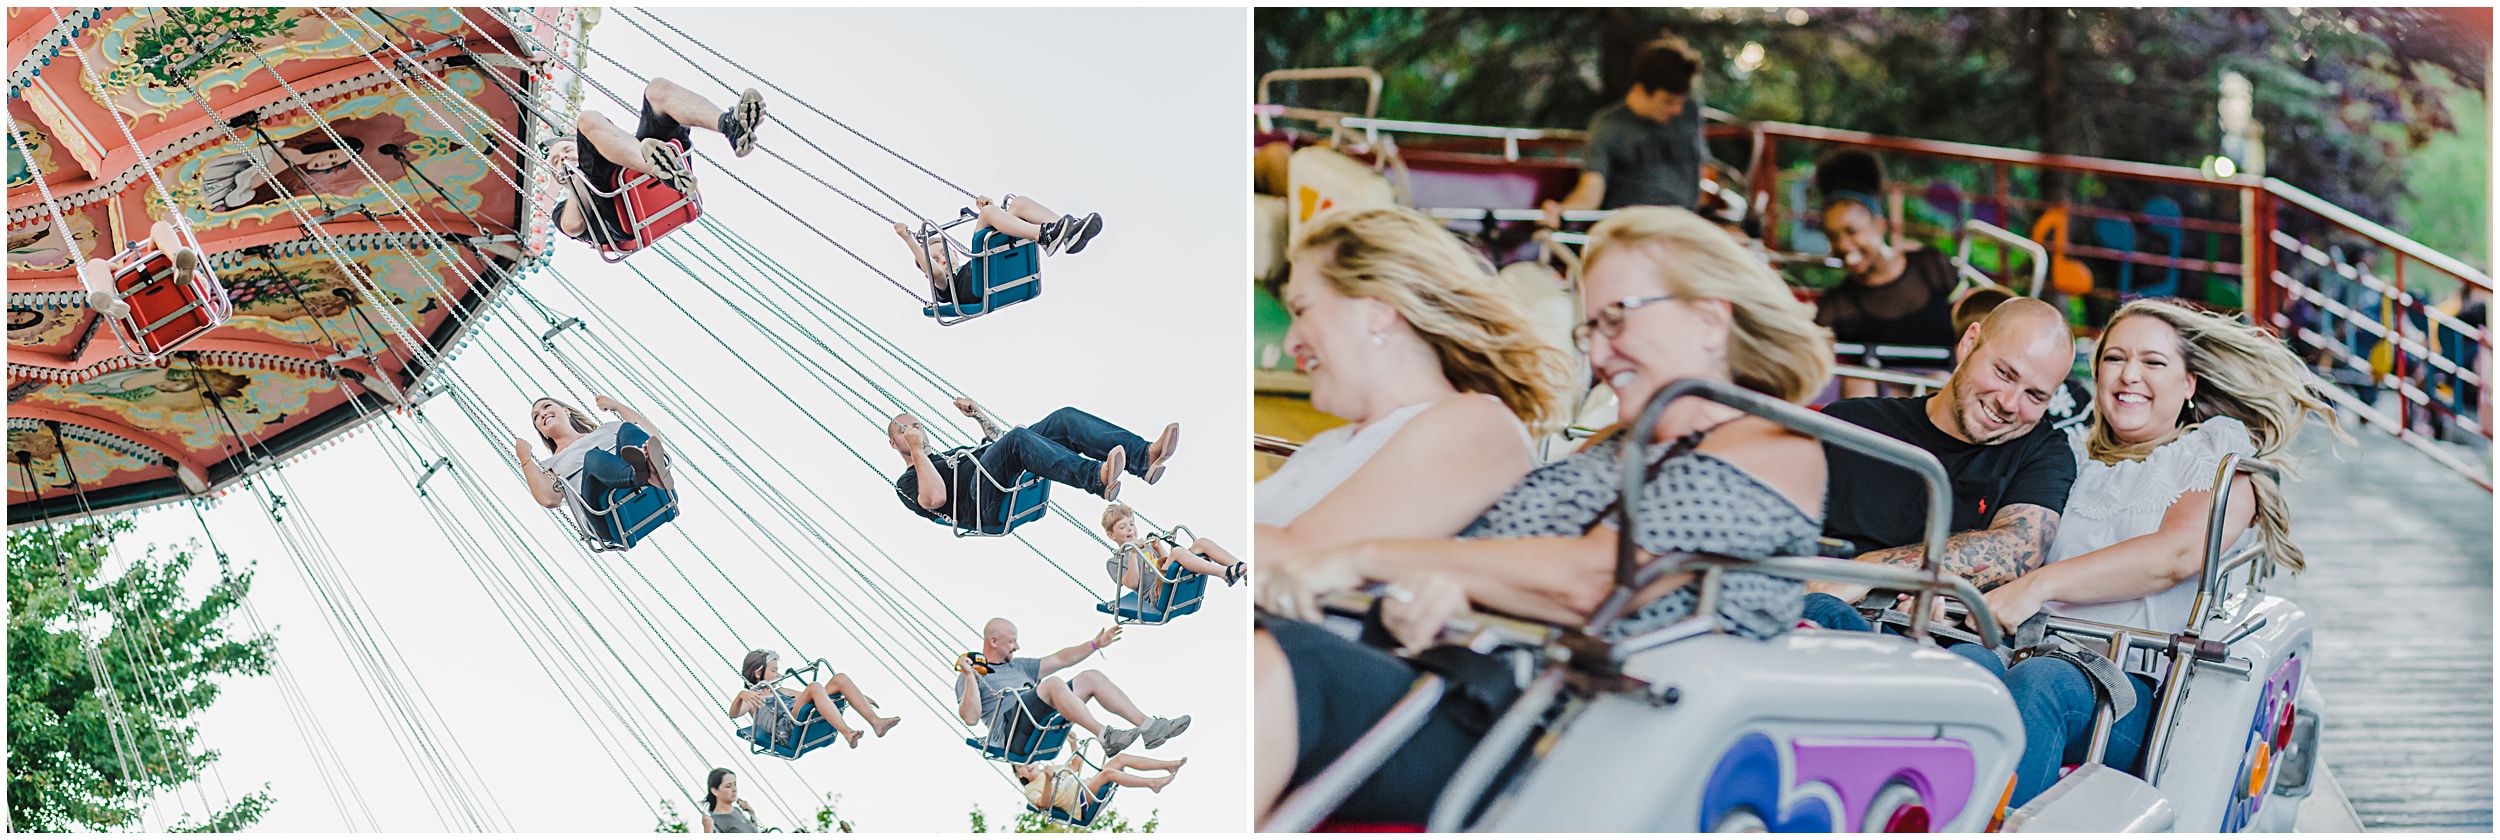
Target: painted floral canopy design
point(350, 204)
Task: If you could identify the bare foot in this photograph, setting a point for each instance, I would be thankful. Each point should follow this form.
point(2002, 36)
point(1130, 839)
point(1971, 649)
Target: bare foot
point(882, 725)
point(1157, 784)
point(852, 738)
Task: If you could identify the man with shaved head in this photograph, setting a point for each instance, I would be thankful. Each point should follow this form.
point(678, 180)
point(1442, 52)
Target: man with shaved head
point(982, 695)
point(2010, 472)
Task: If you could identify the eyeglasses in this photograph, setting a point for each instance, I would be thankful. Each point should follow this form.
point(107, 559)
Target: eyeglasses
point(1609, 320)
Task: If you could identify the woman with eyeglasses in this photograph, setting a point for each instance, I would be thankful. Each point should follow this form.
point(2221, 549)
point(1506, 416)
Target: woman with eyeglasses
point(1408, 336)
point(1669, 297)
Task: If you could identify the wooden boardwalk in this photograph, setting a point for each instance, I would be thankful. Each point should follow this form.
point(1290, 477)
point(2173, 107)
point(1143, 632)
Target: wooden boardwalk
point(2399, 583)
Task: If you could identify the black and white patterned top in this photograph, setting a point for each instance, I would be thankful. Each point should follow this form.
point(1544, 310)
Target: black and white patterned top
point(1696, 502)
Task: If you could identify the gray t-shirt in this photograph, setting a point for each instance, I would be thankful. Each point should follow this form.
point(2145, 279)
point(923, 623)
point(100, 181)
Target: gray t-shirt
point(1020, 672)
point(732, 821)
point(1646, 163)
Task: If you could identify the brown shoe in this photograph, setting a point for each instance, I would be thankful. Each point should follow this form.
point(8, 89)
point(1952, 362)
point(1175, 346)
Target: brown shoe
point(1162, 451)
point(1112, 465)
point(641, 462)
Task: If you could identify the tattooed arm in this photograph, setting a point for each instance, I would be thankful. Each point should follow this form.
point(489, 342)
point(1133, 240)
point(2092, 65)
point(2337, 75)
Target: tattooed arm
point(2015, 543)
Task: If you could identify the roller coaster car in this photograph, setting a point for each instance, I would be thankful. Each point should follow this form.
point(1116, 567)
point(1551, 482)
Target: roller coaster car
point(648, 207)
point(1007, 270)
point(1687, 728)
point(1028, 738)
point(166, 310)
point(2233, 741)
point(1173, 591)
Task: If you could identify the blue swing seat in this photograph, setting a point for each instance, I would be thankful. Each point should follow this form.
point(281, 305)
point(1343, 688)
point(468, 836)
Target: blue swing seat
point(1027, 739)
point(810, 732)
point(629, 515)
point(1029, 499)
point(1010, 271)
point(1086, 814)
point(1178, 598)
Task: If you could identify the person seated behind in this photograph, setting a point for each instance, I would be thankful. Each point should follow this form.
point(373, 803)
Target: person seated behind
point(775, 710)
point(2072, 404)
point(1048, 786)
point(1018, 216)
point(1646, 149)
point(982, 692)
point(592, 458)
point(1063, 447)
point(97, 275)
point(1119, 522)
point(1889, 296)
point(669, 110)
point(2010, 473)
point(2178, 391)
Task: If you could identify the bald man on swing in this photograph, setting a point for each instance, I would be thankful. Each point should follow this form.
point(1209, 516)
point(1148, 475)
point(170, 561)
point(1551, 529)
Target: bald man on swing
point(669, 112)
point(981, 693)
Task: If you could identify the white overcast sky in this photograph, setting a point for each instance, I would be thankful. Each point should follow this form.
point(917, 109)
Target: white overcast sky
point(1133, 113)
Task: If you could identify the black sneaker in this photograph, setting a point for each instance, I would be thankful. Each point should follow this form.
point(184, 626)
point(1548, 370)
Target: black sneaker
point(1085, 234)
point(741, 120)
point(1054, 234)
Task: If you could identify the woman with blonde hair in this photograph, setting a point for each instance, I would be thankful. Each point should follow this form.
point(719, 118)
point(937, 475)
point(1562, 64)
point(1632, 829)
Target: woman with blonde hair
point(1049, 786)
point(1669, 297)
point(1408, 336)
point(2176, 391)
point(590, 457)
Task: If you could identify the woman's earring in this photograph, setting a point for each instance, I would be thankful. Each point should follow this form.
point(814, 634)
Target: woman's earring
point(1379, 340)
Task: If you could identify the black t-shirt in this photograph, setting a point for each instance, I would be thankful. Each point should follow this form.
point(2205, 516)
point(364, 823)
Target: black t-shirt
point(963, 486)
point(1647, 163)
point(1915, 309)
point(1877, 505)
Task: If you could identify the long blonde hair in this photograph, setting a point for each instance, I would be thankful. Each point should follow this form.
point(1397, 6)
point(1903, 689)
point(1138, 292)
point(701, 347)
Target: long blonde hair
point(582, 422)
point(2241, 372)
point(1773, 345)
point(1449, 295)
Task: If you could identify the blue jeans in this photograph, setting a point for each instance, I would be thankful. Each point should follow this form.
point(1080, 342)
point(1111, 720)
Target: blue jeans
point(1836, 614)
point(1065, 447)
point(2056, 702)
point(604, 471)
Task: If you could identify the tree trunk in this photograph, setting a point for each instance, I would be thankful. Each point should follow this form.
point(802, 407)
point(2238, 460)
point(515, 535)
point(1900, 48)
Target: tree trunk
point(2049, 105)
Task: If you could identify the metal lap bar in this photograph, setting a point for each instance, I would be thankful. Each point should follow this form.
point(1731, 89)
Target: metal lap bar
point(2206, 603)
point(1273, 445)
point(1369, 77)
point(1893, 352)
point(1467, 785)
point(1922, 383)
point(1629, 572)
point(1974, 229)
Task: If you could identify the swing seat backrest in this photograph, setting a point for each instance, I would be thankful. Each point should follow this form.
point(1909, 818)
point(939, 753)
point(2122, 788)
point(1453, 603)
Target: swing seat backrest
point(166, 311)
point(1087, 811)
point(1009, 271)
point(625, 517)
point(1178, 598)
point(648, 208)
point(1027, 740)
point(810, 732)
point(1028, 499)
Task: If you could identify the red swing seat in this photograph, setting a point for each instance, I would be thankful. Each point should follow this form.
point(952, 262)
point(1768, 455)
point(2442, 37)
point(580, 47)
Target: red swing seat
point(166, 311)
point(648, 207)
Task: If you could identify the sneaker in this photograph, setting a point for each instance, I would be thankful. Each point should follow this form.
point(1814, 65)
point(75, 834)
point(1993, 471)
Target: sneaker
point(1161, 452)
point(1112, 465)
point(1235, 572)
point(741, 120)
point(1084, 234)
point(669, 165)
point(1160, 730)
point(1054, 235)
point(186, 263)
point(1115, 740)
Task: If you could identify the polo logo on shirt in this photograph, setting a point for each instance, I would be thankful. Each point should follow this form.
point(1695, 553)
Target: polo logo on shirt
point(1983, 507)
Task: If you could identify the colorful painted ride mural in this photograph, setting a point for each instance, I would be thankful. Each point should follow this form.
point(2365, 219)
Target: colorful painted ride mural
point(357, 212)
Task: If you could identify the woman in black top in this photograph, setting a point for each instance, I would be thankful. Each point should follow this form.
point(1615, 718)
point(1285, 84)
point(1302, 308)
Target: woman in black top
point(1891, 295)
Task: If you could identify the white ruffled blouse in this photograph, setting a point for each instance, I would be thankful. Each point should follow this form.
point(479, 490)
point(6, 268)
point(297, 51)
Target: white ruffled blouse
point(2112, 503)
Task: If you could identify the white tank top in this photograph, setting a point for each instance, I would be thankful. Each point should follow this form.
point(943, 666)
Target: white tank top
point(1329, 459)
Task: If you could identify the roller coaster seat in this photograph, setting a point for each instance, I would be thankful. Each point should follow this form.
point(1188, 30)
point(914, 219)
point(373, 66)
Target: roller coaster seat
point(1026, 739)
point(1007, 270)
point(1176, 598)
point(166, 311)
point(1026, 500)
point(810, 731)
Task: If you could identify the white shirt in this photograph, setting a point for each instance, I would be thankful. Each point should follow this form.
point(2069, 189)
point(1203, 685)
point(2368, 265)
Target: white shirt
point(567, 465)
point(1329, 459)
point(2112, 503)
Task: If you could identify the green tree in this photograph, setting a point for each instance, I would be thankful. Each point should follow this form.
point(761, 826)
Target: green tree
point(1109, 821)
point(161, 653)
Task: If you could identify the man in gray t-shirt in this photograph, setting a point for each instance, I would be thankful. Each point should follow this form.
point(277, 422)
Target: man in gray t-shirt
point(1014, 689)
point(1646, 149)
